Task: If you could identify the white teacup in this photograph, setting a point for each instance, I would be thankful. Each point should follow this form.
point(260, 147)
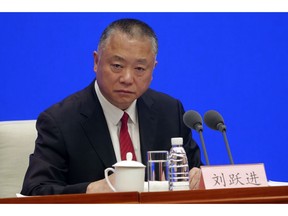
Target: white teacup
point(129, 175)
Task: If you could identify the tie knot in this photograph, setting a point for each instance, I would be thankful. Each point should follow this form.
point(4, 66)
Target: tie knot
point(124, 118)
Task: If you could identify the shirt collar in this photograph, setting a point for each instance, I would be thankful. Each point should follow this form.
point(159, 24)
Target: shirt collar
point(112, 113)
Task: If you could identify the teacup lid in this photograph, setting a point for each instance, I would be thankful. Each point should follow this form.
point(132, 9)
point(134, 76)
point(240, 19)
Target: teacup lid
point(129, 162)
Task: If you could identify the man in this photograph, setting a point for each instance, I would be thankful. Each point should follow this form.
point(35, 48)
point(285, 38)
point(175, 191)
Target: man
point(78, 138)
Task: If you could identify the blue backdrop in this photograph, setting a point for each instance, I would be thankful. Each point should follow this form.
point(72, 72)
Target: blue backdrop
point(235, 63)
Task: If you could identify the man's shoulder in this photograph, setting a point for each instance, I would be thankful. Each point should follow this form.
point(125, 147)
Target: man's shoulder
point(72, 102)
point(159, 100)
point(159, 96)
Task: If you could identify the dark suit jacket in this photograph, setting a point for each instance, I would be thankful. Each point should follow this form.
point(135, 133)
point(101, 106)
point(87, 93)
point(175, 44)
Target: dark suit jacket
point(73, 147)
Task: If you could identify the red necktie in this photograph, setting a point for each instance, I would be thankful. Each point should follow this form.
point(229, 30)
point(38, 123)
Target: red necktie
point(126, 144)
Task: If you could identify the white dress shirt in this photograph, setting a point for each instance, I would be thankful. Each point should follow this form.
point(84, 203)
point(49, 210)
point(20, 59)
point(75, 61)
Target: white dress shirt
point(113, 117)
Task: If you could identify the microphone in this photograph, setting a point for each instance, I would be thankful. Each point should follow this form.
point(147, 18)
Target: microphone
point(193, 120)
point(215, 121)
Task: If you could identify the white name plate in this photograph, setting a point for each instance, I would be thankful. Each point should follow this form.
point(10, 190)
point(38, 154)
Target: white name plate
point(233, 176)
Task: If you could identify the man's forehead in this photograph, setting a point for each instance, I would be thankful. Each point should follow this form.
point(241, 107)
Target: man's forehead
point(120, 58)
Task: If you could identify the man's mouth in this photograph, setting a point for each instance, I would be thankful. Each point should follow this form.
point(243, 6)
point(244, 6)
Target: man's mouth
point(124, 91)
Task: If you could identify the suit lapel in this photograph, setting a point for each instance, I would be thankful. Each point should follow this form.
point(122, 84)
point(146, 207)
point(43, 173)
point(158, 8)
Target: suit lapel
point(147, 125)
point(96, 129)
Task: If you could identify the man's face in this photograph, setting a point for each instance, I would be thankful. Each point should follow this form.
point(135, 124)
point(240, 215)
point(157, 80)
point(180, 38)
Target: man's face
point(124, 68)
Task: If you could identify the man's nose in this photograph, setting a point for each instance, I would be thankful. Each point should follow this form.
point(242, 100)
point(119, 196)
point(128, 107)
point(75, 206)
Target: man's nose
point(127, 75)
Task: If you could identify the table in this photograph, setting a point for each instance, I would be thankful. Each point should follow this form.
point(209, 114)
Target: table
point(271, 194)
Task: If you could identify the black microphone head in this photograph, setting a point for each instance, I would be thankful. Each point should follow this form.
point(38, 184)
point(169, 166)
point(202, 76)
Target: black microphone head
point(214, 120)
point(192, 119)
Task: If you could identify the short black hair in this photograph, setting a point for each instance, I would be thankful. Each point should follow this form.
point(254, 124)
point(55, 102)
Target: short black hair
point(131, 27)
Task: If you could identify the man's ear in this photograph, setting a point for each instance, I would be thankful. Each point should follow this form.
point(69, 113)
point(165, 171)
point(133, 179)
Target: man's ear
point(156, 62)
point(96, 60)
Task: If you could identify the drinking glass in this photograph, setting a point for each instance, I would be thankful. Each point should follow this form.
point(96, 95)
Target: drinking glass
point(158, 170)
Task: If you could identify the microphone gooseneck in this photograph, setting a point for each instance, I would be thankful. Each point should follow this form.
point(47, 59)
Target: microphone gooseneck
point(193, 120)
point(215, 121)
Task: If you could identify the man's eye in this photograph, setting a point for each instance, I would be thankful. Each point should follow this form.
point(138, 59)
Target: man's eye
point(140, 69)
point(116, 66)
